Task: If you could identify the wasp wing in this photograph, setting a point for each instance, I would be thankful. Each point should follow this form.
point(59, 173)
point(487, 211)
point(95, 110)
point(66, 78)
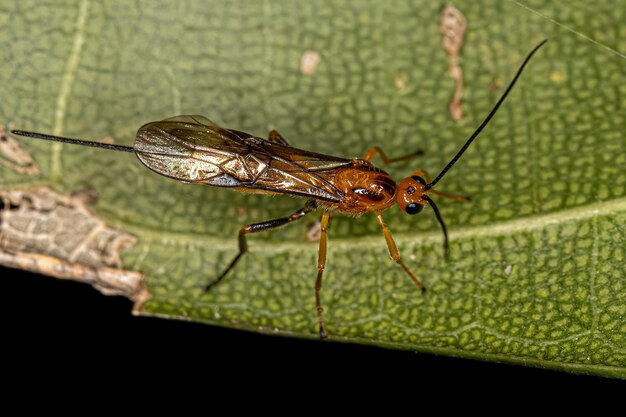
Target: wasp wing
point(194, 149)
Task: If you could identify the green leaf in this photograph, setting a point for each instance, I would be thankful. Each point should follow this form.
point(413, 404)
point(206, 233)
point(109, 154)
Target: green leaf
point(536, 274)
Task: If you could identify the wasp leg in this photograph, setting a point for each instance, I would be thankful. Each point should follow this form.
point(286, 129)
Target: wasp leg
point(321, 265)
point(386, 160)
point(424, 174)
point(260, 227)
point(274, 136)
point(393, 251)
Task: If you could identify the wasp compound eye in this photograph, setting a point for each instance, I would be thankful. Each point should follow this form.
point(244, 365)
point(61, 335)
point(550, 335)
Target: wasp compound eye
point(419, 179)
point(413, 208)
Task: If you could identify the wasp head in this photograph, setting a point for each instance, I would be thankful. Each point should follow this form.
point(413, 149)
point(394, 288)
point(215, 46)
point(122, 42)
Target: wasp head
point(412, 194)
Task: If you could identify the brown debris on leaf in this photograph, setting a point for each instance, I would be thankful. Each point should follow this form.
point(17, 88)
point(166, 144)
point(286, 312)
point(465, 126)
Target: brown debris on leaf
point(314, 231)
point(452, 26)
point(53, 234)
point(13, 156)
point(309, 61)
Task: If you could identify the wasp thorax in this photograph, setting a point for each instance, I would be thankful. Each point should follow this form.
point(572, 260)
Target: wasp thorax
point(411, 193)
point(365, 189)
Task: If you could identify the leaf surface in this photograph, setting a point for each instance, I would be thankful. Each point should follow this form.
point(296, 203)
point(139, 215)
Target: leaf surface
point(536, 274)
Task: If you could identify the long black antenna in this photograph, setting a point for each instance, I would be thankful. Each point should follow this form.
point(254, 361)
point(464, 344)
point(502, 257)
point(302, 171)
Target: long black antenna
point(120, 148)
point(484, 123)
point(446, 244)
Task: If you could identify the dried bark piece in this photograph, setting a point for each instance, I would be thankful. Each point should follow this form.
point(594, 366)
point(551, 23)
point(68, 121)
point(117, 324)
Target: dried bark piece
point(53, 234)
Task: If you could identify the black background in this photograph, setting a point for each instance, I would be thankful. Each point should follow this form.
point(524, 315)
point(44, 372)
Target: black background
point(57, 327)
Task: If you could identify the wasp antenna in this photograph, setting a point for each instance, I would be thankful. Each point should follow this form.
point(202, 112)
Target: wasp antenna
point(120, 148)
point(486, 121)
point(446, 246)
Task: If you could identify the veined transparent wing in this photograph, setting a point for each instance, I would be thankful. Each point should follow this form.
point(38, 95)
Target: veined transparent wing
point(194, 149)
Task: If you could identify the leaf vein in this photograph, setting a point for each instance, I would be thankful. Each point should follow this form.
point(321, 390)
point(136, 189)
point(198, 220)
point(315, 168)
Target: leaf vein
point(66, 87)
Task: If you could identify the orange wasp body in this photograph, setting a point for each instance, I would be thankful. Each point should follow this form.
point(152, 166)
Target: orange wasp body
point(192, 149)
